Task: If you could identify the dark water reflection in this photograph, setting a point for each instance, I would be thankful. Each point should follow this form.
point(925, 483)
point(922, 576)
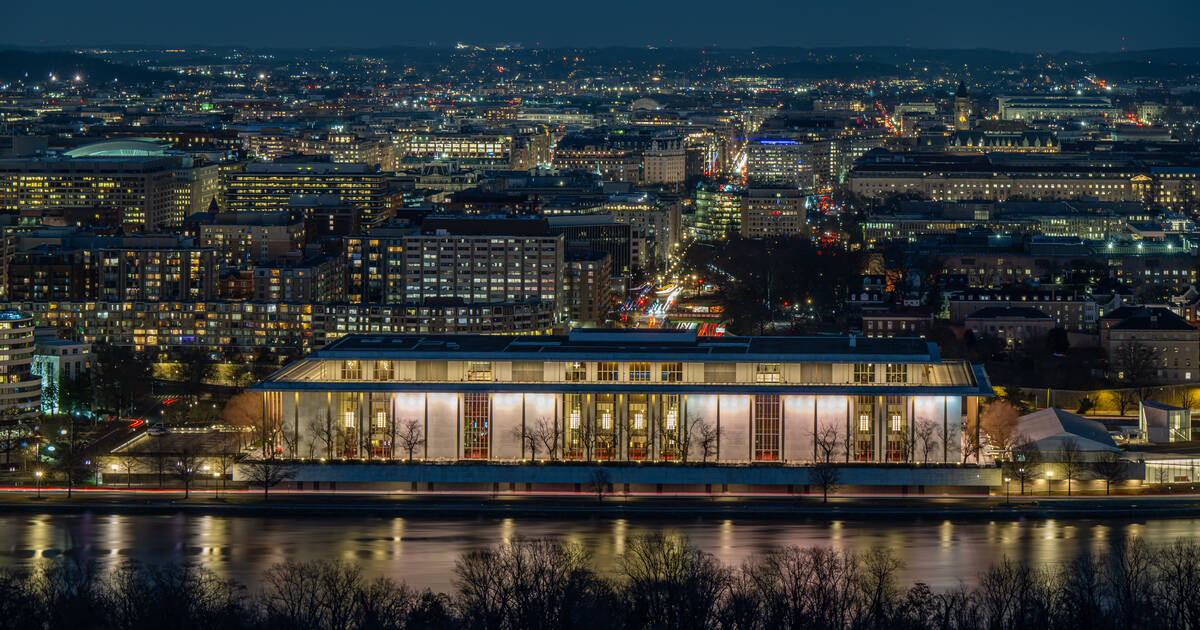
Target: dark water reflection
point(422, 551)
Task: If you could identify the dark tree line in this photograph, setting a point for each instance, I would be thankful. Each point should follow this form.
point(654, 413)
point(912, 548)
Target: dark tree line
point(662, 582)
point(765, 279)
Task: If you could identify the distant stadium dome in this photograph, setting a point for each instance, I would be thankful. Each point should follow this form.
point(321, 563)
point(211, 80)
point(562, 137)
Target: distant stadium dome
point(125, 147)
point(644, 103)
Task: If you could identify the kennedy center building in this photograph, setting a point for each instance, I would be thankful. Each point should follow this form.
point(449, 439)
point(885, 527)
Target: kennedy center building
point(623, 395)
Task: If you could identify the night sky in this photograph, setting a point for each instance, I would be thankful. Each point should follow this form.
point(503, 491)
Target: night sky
point(1022, 25)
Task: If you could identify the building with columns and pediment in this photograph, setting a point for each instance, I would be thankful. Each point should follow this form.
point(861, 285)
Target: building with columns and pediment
point(623, 395)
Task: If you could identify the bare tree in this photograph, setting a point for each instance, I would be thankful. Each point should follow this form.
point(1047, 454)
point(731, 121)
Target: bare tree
point(1187, 399)
point(73, 464)
point(548, 434)
point(410, 436)
point(688, 434)
point(267, 472)
point(1137, 366)
point(185, 469)
point(1071, 460)
point(599, 482)
point(709, 439)
point(1023, 464)
point(228, 454)
point(827, 476)
point(1162, 475)
point(162, 464)
point(943, 436)
point(323, 434)
point(128, 462)
point(524, 434)
point(583, 437)
point(971, 442)
point(925, 435)
point(1125, 398)
point(1110, 467)
point(606, 443)
point(827, 439)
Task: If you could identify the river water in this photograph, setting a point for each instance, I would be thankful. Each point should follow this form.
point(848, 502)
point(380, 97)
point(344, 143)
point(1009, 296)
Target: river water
point(422, 550)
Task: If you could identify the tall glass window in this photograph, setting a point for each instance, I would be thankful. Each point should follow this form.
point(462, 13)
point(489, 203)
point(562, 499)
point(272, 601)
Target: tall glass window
point(672, 372)
point(767, 373)
point(897, 437)
point(606, 438)
point(575, 433)
point(607, 371)
point(767, 412)
point(897, 373)
point(351, 370)
point(384, 371)
point(639, 372)
point(380, 438)
point(348, 436)
point(639, 434)
point(671, 434)
point(476, 425)
point(576, 371)
point(864, 372)
point(479, 371)
point(864, 439)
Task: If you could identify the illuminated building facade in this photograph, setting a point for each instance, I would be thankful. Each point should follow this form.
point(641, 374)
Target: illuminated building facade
point(20, 389)
point(55, 360)
point(780, 161)
point(472, 260)
point(142, 188)
point(718, 211)
point(248, 326)
point(520, 149)
point(1055, 107)
point(147, 186)
point(348, 148)
point(624, 395)
point(1000, 177)
point(114, 268)
point(772, 213)
point(270, 187)
point(255, 237)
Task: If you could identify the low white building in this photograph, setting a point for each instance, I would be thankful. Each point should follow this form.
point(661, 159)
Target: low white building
point(1050, 429)
point(55, 360)
point(625, 395)
point(1159, 423)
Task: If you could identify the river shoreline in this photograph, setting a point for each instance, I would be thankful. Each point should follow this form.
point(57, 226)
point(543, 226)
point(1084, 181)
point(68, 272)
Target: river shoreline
point(804, 507)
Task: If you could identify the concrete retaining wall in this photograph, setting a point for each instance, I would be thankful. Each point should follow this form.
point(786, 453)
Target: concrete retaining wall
point(684, 478)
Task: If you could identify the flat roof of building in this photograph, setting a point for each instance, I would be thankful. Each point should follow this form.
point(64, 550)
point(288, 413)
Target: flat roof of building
point(602, 344)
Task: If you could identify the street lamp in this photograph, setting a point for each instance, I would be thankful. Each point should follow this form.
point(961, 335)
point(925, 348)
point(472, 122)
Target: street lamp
point(1007, 490)
point(216, 486)
point(38, 475)
point(1049, 478)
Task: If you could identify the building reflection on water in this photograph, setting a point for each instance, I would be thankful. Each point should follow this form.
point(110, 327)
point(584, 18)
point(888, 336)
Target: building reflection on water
point(423, 551)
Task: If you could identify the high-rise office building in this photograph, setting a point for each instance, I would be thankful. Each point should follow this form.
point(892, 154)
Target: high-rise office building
point(780, 161)
point(270, 187)
point(772, 212)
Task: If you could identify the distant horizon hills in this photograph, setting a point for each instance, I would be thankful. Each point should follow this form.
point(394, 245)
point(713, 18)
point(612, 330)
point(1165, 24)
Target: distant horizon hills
point(788, 63)
point(1191, 52)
